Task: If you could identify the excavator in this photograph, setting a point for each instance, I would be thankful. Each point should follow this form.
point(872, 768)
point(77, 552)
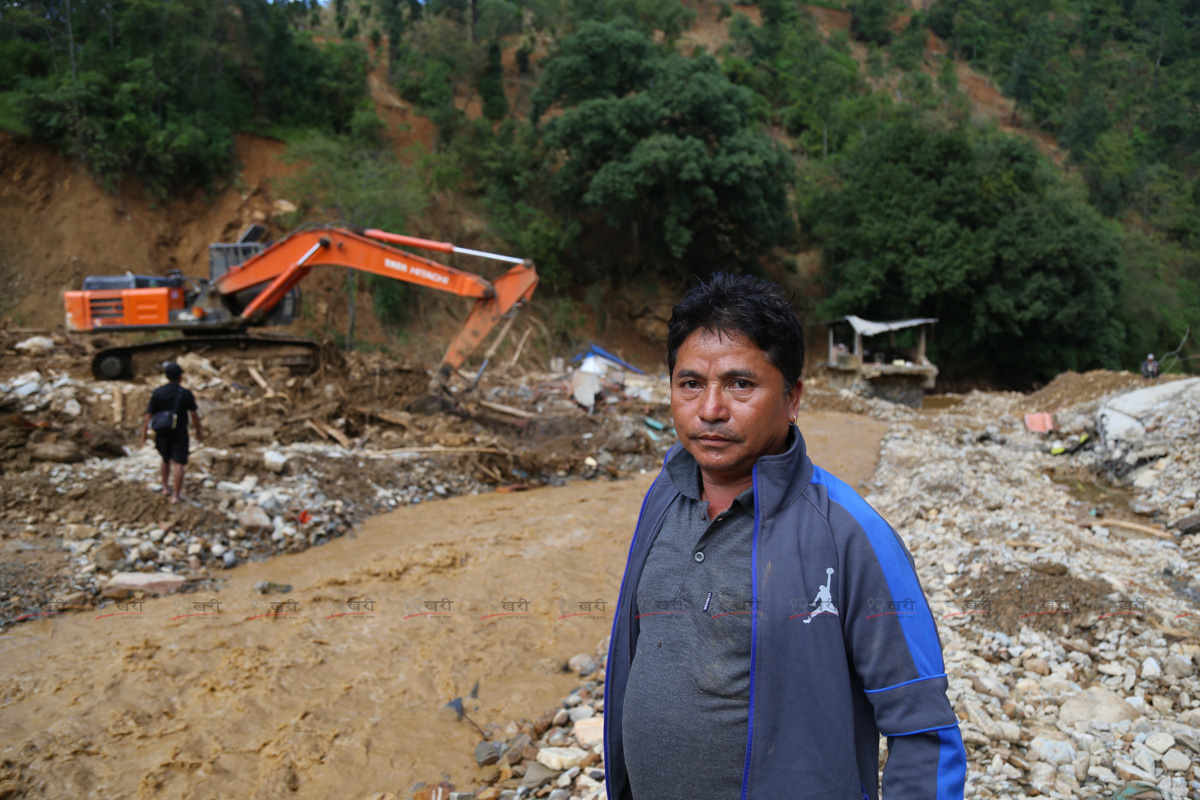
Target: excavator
point(253, 284)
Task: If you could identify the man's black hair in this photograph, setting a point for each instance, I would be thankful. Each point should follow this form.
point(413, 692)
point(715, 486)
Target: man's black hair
point(742, 305)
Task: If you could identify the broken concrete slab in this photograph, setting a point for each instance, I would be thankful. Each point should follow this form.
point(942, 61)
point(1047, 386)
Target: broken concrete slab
point(159, 583)
point(1140, 402)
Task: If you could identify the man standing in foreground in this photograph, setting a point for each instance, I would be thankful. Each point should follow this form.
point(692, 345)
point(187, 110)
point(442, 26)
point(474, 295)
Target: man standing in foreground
point(172, 444)
point(770, 625)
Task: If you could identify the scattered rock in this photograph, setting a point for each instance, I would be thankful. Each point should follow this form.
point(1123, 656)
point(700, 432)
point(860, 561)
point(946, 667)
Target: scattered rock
point(254, 520)
point(1127, 771)
point(1160, 742)
point(1051, 751)
point(274, 461)
point(1178, 666)
point(1174, 760)
point(78, 531)
point(580, 713)
point(1037, 666)
point(488, 752)
point(1143, 508)
point(538, 774)
point(1189, 525)
point(589, 732)
point(109, 557)
point(561, 758)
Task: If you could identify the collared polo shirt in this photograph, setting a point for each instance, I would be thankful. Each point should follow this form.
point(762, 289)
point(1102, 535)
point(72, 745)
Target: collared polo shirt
point(687, 704)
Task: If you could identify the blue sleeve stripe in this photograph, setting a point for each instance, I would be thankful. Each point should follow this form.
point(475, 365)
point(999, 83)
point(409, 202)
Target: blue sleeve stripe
point(919, 631)
point(952, 764)
point(924, 730)
point(906, 683)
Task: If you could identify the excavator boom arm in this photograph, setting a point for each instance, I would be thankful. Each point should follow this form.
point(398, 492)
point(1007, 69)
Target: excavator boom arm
point(283, 265)
point(343, 248)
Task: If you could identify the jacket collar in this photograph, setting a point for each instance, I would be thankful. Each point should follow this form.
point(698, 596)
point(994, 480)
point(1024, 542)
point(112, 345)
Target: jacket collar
point(778, 479)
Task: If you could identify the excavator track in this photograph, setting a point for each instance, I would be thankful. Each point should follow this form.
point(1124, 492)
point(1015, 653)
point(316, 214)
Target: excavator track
point(299, 354)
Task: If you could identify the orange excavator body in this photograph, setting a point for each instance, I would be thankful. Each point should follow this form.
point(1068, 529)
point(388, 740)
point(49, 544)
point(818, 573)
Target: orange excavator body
point(251, 293)
point(116, 309)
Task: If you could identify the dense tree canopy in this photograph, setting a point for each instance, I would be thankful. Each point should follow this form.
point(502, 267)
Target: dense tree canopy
point(665, 148)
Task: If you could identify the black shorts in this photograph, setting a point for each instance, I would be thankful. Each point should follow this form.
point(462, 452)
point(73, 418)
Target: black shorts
point(172, 446)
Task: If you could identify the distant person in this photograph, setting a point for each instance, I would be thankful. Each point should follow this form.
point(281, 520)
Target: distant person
point(1150, 367)
point(770, 625)
point(172, 443)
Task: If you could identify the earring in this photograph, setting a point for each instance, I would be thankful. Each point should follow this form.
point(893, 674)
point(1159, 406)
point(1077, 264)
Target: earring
point(792, 420)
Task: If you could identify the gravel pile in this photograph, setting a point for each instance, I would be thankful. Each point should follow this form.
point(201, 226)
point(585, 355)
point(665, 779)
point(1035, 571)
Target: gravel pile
point(1072, 650)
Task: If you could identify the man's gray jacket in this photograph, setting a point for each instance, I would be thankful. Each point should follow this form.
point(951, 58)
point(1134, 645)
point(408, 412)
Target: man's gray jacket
point(843, 648)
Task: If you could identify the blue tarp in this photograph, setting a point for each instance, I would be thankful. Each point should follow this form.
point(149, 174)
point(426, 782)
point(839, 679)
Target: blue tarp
point(596, 350)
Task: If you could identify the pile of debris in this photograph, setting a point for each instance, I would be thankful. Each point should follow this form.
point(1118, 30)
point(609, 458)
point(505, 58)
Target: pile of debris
point(288, 463)
point(1071, 638)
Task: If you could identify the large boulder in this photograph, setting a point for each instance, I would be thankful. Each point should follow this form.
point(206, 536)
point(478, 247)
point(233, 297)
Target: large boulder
point(1097, 704)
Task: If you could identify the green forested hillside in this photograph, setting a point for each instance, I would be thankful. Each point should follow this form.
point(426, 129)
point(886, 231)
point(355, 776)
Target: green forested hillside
point(157, 88)
point(619, 140)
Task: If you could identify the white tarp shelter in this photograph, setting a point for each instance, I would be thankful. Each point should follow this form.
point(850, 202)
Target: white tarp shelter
point(865, 327)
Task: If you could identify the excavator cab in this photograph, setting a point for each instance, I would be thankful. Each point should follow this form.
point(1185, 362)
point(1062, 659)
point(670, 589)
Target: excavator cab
point(225, 256)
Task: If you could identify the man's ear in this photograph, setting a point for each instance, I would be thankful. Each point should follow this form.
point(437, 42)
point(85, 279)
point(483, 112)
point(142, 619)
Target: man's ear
point(793, 397)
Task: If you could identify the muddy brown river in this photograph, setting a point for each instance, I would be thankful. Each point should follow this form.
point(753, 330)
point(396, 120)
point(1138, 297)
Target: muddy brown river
point(336, 689)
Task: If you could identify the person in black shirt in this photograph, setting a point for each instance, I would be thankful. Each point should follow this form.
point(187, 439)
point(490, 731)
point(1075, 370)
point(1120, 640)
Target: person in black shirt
point(173, 444)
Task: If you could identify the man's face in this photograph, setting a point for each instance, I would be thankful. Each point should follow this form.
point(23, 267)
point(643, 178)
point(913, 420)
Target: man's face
point(729, 404)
